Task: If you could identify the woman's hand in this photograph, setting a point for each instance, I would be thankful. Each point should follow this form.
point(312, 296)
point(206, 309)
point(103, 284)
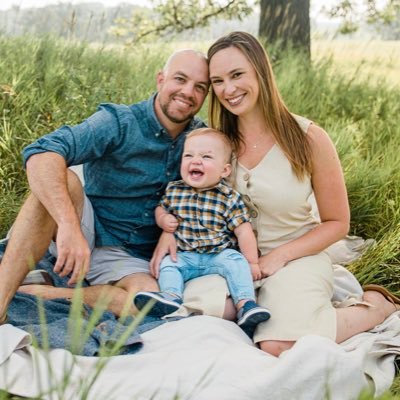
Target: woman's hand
point(166, 245)
point(272, 262)
point(255, 272)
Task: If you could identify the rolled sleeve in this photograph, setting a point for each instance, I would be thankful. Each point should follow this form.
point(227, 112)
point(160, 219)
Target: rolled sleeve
point(238, 214)
point(85, 142)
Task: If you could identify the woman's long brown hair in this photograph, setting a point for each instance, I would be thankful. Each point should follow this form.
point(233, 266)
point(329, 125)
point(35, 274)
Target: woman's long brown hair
point(287, 132)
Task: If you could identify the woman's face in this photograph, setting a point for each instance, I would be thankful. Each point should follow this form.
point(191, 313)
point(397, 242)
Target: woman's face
point(234, 81)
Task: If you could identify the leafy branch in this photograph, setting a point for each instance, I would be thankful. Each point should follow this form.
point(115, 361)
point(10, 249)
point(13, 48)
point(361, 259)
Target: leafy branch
point(174, 16)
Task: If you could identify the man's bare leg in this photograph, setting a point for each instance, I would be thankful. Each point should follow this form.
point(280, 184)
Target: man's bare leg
point(29, 240)
point(31, 235)
point(118, 298)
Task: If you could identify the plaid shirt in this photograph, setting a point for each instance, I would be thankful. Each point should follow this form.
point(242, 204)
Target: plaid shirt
point(206, 218)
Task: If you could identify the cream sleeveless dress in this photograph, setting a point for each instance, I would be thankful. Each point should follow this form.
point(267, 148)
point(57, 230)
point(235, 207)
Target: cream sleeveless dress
point(298, 295)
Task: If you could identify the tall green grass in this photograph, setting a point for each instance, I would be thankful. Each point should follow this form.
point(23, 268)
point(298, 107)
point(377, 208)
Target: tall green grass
point(45, 83)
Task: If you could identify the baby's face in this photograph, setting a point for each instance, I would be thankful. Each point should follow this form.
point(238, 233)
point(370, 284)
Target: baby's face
point(204, 161)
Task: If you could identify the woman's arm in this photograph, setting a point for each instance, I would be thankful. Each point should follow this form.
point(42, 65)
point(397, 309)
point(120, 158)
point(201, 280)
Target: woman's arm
point(248, 247)
point(331, 196)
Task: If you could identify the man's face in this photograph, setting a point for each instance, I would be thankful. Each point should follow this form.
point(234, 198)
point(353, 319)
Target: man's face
point(182, 88)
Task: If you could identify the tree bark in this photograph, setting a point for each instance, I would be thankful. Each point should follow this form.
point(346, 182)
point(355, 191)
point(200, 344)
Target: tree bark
point(287, 23)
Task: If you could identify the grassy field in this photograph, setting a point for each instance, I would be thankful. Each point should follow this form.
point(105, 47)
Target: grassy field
point(375, 60)
point(351, 90)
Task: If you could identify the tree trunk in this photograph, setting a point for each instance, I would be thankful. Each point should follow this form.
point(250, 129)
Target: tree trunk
point(286, 22)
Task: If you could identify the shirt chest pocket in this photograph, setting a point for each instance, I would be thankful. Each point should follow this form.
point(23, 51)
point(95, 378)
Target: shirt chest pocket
point(212, 220)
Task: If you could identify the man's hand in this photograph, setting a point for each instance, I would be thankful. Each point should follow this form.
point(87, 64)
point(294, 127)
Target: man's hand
point(255, 271)
point(166, 245)
point(73, 253)
point(168, 223)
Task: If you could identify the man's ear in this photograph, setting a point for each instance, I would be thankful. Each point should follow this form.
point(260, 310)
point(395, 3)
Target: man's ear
point(227, 171)
point(160, 79)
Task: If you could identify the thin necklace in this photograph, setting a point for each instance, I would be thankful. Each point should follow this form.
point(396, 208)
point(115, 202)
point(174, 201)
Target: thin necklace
point(255, 145)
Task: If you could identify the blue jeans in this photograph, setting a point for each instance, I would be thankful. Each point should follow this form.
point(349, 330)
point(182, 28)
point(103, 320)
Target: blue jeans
point(229, 263)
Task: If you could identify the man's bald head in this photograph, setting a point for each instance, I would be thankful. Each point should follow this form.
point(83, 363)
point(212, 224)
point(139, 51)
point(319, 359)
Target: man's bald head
point(184, 53)
point(182, 87)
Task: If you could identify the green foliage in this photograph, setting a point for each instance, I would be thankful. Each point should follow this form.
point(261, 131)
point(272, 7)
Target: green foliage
point(169, 17)
point(375, 12)
point(48, 82)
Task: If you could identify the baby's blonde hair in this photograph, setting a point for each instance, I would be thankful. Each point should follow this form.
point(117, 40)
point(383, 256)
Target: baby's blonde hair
point(215, 132)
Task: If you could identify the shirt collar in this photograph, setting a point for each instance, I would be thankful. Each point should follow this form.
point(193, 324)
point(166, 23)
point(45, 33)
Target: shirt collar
point(222, 187)
point(155, 124)
point(152, 119)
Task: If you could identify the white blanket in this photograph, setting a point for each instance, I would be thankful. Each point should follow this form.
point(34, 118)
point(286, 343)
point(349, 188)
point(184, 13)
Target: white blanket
point(207, 358)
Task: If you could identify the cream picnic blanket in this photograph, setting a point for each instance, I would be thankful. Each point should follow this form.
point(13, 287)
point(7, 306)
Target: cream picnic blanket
point(206, 358)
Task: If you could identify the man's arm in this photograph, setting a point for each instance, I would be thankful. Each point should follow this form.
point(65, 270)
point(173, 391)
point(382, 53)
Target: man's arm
point(248, 247)
point(47, 177)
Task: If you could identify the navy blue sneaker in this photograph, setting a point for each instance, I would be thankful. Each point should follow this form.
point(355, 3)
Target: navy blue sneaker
point(250, 315)
point(165, 303)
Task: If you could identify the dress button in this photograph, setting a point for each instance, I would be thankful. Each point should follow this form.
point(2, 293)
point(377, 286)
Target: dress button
point(254, 214)
point(246, 177)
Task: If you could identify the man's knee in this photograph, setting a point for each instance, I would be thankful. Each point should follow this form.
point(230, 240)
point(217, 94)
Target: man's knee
point(138, 282)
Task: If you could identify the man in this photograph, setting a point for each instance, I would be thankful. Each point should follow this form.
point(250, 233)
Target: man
point(107, 231)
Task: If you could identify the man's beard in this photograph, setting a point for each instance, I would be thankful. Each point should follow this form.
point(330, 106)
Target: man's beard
point(175, 120)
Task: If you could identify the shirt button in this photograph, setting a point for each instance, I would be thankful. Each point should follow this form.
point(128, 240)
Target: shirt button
point(158, 193)
point(246, 177)
point(254, 214)
point(146, 214)
point(168, 173)
point(172, 146)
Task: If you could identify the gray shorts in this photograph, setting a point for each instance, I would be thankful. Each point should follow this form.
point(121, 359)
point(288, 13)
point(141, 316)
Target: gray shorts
point(109, 264)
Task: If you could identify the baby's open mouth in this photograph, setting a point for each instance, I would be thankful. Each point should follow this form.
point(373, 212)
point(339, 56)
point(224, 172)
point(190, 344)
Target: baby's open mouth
point(196, 173)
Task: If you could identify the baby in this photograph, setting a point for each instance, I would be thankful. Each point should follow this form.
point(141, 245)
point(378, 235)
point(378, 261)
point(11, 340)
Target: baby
point(209, 220)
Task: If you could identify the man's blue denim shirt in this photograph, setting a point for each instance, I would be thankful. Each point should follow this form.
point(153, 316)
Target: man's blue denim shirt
point(128, 158)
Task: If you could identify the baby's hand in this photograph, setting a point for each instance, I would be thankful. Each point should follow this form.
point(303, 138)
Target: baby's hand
point(255, 271)
point(168, 223)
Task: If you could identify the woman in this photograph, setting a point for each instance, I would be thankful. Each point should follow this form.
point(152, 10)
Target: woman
point(281, 160)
